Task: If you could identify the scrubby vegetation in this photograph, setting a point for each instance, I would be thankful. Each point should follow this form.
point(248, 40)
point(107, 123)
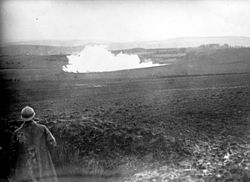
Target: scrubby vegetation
point(150, 155)
point(90, 146)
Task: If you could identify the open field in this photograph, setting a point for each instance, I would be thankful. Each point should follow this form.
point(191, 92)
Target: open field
point(187, 121)
point(30, 65)
point(184, 116)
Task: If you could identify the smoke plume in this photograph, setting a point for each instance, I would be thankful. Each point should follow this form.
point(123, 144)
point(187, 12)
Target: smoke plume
point(98, 59)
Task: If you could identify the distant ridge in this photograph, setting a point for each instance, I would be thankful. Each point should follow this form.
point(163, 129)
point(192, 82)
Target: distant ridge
point(170, 43)
point(25, 49)
point(186, 42)
point(56, 43)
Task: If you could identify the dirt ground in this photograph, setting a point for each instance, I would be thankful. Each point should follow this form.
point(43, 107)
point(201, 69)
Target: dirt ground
point(195, 101)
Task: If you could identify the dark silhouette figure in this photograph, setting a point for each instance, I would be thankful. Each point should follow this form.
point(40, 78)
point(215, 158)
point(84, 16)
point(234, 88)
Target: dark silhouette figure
point(33, 160)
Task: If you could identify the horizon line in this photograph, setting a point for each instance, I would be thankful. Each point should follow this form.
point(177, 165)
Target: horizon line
point(110, 41)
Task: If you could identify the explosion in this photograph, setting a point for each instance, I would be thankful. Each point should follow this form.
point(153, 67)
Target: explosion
point(98, 59)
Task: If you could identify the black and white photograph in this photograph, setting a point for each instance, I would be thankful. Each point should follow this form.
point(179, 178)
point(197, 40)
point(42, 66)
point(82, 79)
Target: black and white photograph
point(124, 91)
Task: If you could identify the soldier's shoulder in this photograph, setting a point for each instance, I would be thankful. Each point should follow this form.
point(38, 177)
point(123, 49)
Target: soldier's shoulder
point(42, 126)
point(18, 129)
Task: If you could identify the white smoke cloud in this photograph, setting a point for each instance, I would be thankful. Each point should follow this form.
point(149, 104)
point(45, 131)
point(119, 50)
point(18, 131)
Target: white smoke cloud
point(98, 59)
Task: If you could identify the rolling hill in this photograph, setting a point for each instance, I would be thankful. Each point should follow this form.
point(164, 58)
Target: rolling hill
point(169, 43)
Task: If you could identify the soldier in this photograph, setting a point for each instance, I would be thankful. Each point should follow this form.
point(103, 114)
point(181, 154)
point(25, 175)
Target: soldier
point(33, 161)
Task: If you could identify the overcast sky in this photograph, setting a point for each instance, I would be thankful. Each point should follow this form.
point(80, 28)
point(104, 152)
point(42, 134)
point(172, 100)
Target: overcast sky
point(122, 21)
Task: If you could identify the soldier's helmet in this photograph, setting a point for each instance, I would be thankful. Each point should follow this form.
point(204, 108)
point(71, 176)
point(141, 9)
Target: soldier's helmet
point(27, 113)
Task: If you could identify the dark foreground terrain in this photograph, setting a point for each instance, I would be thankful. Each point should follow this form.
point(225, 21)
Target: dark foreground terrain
point(185, 128)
